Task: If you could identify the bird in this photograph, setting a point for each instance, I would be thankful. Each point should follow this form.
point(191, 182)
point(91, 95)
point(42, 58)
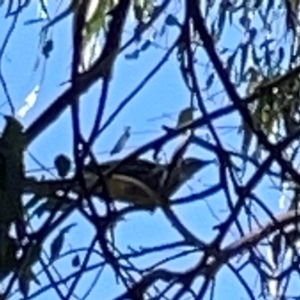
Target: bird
point(140, 182)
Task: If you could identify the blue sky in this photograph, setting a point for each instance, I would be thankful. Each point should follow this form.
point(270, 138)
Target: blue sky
point(164, 94)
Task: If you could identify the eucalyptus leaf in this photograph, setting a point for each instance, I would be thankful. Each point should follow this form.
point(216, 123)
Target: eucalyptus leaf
point(33, 201)
point(40, 210)
point(185, 117)
point(145, 45)
point(171, 20)
point(222, 18)
point(133, 55)
point(210, 80)
point(230, 61)
point(56, 246)
point(67, 228)
point(244, 58)
point(34, 21)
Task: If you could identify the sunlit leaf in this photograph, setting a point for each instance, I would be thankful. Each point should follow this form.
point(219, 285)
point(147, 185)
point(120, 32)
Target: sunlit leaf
point(90, 52)
point(63, 165)
point(30, 101)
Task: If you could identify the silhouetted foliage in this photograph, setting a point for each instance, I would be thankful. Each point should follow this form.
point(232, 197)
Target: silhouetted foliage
point(247, 53)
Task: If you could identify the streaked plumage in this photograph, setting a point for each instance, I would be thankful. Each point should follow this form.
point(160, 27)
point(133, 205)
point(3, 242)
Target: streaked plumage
point(138, 182)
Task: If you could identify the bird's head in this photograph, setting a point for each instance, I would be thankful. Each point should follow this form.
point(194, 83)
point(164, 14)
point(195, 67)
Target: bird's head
point(184, 172)
point(191, 166)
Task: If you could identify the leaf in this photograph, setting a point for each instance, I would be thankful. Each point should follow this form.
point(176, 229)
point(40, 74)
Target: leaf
point(34, 21)
point(121, 142)
point(244, 56)
point(76, 261)
point(258, 3)
point(133, 55)
point(185, 117)
point(162, 30)
point(33, 201)
point(171, 20)
point(245, 21)
point(67, 228)
point(30, 101)
point(56, 246)
point(230, 61)
point(222, 18)
point(210, 80)
point(90, 52)
point(58, 242)
point(145, 45)
point(24, 284)
point(252, 35)
point(40, 210)
point(49, 205)
point(63, 165)
point(281, 55)
point(266, 43)
point(247, 138)
point(276, 246)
